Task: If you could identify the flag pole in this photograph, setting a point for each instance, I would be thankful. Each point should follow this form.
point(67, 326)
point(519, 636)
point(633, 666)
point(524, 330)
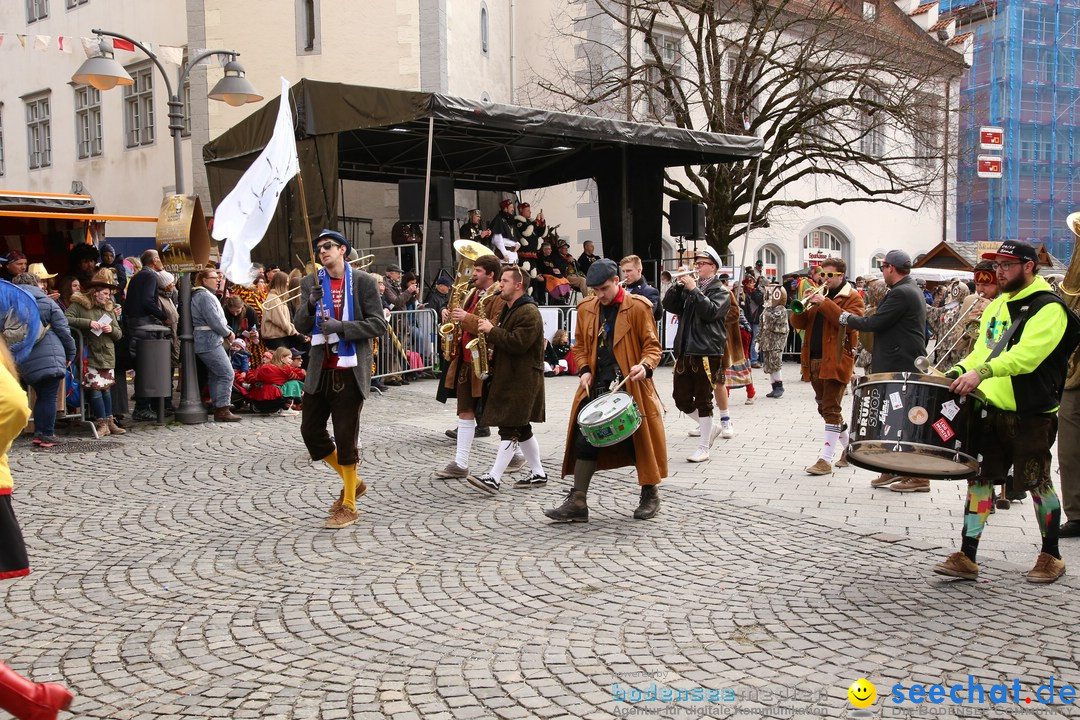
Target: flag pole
point(307, 233)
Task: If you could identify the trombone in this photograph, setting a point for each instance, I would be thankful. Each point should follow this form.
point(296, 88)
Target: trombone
point(360, 263)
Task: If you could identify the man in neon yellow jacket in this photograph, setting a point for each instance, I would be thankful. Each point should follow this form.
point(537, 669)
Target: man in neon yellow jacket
point(1022, 382)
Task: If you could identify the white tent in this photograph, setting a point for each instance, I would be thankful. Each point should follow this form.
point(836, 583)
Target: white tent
point(934, 274)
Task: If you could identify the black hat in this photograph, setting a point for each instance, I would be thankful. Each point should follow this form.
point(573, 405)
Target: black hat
point(393, 268)
point(898, 259)
point(444, 279)
point(600, 272)
point(1014, 250)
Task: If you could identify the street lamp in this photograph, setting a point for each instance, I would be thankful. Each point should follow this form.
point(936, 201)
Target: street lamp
point(105, 73)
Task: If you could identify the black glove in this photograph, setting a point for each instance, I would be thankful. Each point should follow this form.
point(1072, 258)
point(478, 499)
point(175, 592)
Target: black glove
point(331, 325)
point(316, 295)
point(953, 374)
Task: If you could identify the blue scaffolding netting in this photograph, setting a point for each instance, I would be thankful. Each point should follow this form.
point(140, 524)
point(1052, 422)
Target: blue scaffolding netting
point(1023, 79)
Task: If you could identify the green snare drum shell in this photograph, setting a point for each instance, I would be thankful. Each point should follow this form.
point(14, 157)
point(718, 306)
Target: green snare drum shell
point(610, 419)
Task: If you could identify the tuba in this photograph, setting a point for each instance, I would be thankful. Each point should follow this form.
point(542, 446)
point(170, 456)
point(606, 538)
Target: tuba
point(1069, 289)
point(450, 332)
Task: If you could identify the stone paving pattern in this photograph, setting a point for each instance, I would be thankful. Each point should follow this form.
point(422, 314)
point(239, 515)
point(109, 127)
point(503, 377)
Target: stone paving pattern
point(184, 572)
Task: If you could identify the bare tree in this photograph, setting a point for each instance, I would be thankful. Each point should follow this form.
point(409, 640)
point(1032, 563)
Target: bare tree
point(847, 93)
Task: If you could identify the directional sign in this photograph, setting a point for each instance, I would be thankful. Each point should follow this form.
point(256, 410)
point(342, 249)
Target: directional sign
point(991, 138)
point(989, 166)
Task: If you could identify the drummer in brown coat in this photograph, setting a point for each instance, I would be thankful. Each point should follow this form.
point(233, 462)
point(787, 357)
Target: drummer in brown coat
point(615, 338)
point(514, 393)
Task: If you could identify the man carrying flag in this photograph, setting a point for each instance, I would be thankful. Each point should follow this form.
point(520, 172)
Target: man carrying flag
point(340, 309)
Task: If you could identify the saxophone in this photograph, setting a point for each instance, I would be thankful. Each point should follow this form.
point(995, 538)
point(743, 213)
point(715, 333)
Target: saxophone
point(1069, 290)
point(450, 332)
point(478, 345)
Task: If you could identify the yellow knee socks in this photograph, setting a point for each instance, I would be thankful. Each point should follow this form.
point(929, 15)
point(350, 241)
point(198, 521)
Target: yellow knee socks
point(349, 479)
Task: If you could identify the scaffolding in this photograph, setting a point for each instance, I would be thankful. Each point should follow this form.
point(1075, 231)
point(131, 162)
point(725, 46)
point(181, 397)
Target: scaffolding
point(1023, 79)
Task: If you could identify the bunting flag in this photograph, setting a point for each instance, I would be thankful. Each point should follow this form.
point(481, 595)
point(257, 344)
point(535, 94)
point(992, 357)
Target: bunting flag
point(171, 54)
point(2, 39)
point(91, 46)
point(119, 44)
point(22, 39)
point(63, 43)
point(41, 42)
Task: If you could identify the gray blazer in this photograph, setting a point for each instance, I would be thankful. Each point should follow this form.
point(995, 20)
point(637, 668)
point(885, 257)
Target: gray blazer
point(208, 320)
point(368, 323)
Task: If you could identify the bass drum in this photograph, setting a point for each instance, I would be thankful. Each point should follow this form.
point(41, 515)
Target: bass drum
point(911, 424)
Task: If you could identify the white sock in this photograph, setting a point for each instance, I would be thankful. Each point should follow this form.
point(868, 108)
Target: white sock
point(842, 441)
point(705, 425)
point(466, 429)
point(832, 436)
point(776, 377)
point(502, 459)
point(531, 449)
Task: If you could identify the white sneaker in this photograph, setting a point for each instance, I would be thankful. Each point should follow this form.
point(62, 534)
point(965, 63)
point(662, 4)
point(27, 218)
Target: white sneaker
point(696, 432)
point(700, 455)
point(727, 429)
point(290, 412)
point(749, 401)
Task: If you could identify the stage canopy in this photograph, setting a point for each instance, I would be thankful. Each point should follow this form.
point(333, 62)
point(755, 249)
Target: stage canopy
point(382, 135)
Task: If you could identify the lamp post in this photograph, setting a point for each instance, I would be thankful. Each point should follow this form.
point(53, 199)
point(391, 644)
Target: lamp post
point(105, 73)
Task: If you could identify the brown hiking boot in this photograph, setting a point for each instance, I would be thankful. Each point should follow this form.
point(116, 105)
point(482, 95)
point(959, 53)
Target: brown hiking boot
point(225, 414)
point(573, 509)
point(1047, 569)
point(958, 565)
point(842, 462)
point(102, 428)
point(453, 470)
point(821, 467)
point(649, 504)
point(343, 518)
point(114, 429)
point(884, 479)
point(911, 485)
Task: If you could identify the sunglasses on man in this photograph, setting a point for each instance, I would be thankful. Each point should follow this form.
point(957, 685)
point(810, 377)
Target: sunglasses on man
point(328, 245)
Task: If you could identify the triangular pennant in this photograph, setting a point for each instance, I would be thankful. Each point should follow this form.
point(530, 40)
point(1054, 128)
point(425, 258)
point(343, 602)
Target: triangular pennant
point(22, 39)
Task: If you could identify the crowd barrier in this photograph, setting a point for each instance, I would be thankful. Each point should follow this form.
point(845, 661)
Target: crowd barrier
point(411, 344)
point(76, 411)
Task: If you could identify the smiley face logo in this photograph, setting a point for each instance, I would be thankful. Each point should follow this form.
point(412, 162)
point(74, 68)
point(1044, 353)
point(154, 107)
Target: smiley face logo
point(862, 693)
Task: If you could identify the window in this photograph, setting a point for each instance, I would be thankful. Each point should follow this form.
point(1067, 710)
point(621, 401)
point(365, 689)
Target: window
point(772, 261)
point(87, 122)
point(72, 4)
point(307, 26)
point(869, 11)
point(36, 10)
point(669, 46)
point(139, 107)
point(483, 30)
point(39, 132)
point(819, 245)
point(926, 130)
point(872, 133)
point(877, 261)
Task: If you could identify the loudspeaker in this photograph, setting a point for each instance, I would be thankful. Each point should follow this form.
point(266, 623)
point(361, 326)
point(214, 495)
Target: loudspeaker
point(411, 200)
point(686, 219)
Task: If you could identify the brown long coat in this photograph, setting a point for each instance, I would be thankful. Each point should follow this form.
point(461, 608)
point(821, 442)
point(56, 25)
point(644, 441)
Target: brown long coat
point(635, 342)
point(837, 342)
point(493, 305)
point(514, 394)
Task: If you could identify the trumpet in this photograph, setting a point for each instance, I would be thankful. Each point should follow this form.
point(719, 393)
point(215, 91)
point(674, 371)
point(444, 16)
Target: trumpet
point(799, 306)
point(360, 263)
point(684, 273)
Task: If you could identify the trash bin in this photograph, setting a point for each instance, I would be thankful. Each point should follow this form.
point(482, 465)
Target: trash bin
point(153, 361)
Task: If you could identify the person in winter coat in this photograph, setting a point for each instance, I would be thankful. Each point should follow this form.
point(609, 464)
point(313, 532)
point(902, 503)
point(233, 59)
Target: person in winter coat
point(93, 312)
point(773, 338)
point(208, 321)
point(46, 367)
point(265, 393)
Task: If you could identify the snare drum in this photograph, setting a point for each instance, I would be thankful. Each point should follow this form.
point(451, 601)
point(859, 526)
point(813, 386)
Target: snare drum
point(911, 424)
point(609, 419)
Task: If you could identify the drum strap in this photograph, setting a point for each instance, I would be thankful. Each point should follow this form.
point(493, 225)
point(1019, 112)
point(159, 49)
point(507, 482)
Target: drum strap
point(1003, 342)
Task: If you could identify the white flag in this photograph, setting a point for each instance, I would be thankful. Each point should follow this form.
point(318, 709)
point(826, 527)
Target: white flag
point(41, 42)
point(171, 54)
point(242, 217)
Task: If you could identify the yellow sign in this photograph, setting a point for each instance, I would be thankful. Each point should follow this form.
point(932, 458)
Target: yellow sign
point(985, 246)
point(182, 239)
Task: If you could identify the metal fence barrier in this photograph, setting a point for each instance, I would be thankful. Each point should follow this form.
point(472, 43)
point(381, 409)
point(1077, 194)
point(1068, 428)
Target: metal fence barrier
point(410, 345)
point(73, 413)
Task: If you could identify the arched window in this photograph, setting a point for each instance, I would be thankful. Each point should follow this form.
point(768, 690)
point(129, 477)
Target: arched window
point(772, 261)
point(875, 262)
point(484, 30)
point(821, 243)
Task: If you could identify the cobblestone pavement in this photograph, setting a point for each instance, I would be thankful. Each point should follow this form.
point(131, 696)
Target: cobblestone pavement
point(184, 571)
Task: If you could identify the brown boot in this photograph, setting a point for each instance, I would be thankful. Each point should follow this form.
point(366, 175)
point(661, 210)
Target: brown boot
point(649, 504)
point(225, 414)
point(114, 429)
point(574, 509)
point(102, 428)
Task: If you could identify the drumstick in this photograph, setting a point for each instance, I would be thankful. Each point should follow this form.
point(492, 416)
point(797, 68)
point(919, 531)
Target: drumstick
point(621, 383)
